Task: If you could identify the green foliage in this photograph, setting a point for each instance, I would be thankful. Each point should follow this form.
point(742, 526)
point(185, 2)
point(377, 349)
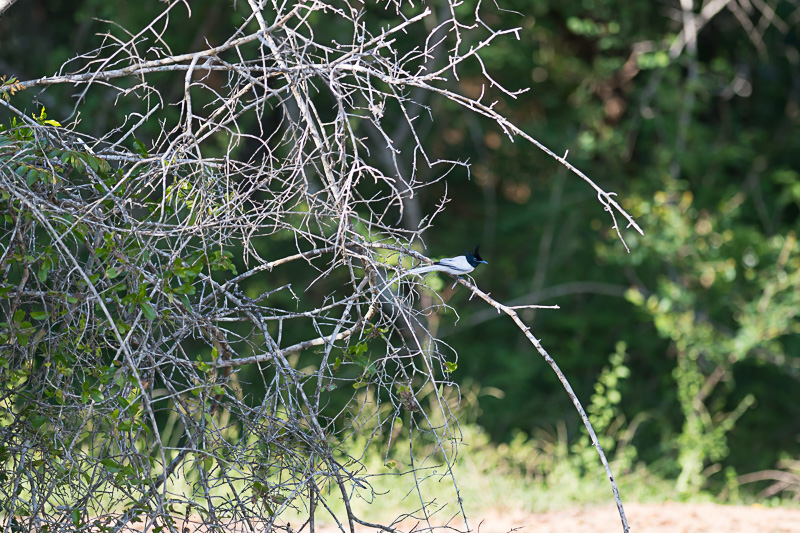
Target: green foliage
point(607, 418)
point(710, 293)
point(61, 357)
point(537, 473)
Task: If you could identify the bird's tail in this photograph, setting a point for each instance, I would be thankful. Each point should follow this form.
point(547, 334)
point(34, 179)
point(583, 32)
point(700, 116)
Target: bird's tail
point(423, 270)
point(419, 270)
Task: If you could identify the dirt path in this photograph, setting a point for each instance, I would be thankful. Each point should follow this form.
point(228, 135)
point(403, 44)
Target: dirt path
point(649, 518)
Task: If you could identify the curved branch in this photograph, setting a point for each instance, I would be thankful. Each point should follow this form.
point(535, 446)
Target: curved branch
point(564, 382)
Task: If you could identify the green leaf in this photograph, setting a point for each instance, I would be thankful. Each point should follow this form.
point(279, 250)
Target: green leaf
point(32, 177)
point(186, 301)
point(38, 421)
point(140, 148)
point(117, 287)
point(148, 310)
point(186, 288)
point(44, 271)
point(111, 465)
point(358, 349)
point(194, 270)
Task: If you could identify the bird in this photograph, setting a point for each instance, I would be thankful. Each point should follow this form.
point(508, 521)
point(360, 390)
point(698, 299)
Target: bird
point(461, 264)
point(456, 266)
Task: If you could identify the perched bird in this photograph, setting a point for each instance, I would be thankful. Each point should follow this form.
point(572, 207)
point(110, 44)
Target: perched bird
point(462, 264)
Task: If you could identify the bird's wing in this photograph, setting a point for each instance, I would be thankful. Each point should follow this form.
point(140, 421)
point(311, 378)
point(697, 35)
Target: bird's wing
point(457, 265)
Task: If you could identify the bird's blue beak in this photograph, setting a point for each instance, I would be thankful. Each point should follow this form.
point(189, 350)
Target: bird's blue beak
point(484, 262)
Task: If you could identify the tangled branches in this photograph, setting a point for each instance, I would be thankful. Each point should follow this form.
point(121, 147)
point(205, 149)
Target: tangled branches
point(196, 324)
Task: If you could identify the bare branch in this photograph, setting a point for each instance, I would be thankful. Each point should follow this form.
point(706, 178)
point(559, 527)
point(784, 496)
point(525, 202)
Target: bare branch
point(202, 299)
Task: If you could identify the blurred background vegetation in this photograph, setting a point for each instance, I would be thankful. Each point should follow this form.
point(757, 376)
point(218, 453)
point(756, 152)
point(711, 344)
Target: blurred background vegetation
point(686, 348)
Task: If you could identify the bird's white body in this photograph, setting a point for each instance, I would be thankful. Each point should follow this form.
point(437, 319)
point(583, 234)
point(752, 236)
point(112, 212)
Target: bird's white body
point(456, 266)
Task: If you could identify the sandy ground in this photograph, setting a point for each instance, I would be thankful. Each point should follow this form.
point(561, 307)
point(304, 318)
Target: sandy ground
point(648, 518)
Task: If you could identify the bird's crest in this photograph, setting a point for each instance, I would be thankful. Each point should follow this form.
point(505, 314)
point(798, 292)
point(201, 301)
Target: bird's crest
point(475, 257)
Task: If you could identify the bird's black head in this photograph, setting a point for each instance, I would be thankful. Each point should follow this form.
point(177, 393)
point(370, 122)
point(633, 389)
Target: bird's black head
point(474, 257)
